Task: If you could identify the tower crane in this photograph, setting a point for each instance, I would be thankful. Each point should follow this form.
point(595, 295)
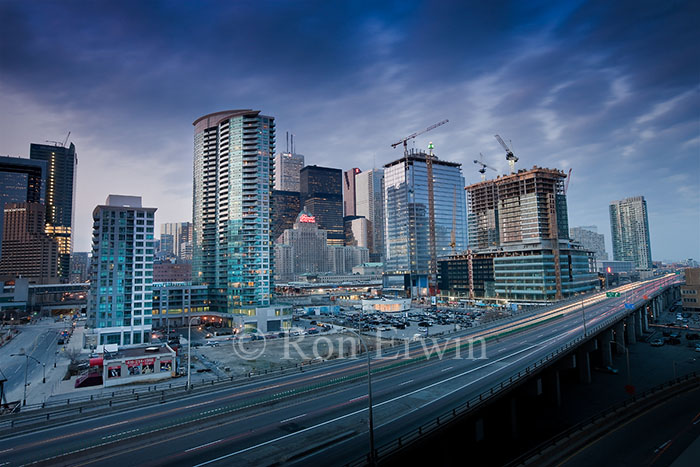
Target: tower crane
point(510, 157)
point(568, 179)
point(432, 269)
point(483, 168)
point(404, 141)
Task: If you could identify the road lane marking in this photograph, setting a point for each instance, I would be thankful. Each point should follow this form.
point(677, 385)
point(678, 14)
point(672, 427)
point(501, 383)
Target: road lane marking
point(328, 422)
point(357, 398)
point(7, 450)
point(293, 418)
point(406, 382)
point(203, 445)
point(448, 368)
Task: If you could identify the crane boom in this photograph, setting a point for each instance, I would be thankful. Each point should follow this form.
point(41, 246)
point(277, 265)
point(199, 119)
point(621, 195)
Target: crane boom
point(483, 168)
point(405, 140)
point(510, 157)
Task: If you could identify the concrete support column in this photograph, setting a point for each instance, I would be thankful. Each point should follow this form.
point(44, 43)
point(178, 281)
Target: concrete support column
point(604, 344)
point(583, 362)
point(645, 320)
point(620, 337)
point(638, 322)
point(555, 387)
point(631, 335)
point(513, 418)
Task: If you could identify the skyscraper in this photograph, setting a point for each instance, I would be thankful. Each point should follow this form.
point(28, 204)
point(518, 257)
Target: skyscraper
point(286, 206)
point(233, 177)
point(589, 237)
point(120, 302)
point(629, 226)
point(26, 249)
point(349, 200)
point(287, 168)
point(21, 181)
point(322, 196)
point(407, 213)
point(369, 204)
point(61, 164)
point(173, 235)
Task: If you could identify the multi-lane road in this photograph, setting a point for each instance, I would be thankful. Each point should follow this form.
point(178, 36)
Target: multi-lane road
point(320, 415)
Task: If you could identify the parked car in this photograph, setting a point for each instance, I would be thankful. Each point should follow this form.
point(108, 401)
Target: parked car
point(657, 343)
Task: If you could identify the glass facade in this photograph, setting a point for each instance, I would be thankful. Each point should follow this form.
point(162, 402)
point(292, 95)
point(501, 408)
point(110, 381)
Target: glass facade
point(61, 164)
point(322, 196)
point(121, 273)
point(369, 204)
point(629, 225)
point(286, 206)
point(233, 176)
point(406, 224)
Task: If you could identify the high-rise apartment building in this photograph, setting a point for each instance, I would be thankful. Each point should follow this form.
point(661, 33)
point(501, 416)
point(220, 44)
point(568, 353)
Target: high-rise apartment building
point(21, 181)
point(61, 165)
point(357, 232)
point(591, 240)
point(26, 249)
point(233, 177)
point(287, 169)
point(370, 205)
point(322, 196)
point(629, 225)
point(407, 217)
point(79, 262)
point(349, 199)
point(121, 271)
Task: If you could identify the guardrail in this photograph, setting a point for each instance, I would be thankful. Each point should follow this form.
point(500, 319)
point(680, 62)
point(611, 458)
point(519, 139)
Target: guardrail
point(491, 393)
point(521, 460)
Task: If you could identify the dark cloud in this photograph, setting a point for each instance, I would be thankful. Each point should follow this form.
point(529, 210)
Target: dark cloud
point(608, 88)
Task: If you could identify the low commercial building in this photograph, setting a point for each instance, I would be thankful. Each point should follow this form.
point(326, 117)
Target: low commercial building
point(387, 305)
point(690, 292)
point(138, 365)
point(177, 301)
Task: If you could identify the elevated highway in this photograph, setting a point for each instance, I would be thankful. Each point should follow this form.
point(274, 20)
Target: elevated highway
point(320, 416)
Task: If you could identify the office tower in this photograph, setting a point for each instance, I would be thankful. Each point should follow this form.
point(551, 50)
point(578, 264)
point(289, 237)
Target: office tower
point(173, 235)
point(79, 266)
point(61, 164)
point(519, 237)
point(341, 259)
point(370, 205)
point(286, 206)
point(322, 196)
point(406, 224)
point(233, 175)
point(591, 240)
point(629, 225)
point(308, 244)
point(21, 181)
point(349, 200)
point(166, 246)
point(287, 168)
point(171, 271)
point(121, 271)
point(26, 249)
point(357, 232)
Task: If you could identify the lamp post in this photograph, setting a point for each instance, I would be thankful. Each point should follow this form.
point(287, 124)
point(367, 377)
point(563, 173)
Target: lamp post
point(583, 313)
point(26, 370)
point(369, 399)
point(189, 350)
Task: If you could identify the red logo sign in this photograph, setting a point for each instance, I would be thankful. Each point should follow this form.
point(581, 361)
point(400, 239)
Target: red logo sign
point(307, 219)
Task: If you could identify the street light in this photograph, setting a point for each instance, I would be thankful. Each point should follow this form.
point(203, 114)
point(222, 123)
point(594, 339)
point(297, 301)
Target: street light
point(189, 350)
point(369, 398)
point(26, 368)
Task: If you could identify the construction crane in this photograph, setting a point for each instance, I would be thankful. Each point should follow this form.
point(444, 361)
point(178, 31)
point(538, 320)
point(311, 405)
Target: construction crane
point(404, 141)
point(432, 270)
point(59, 143)
point(568, 178)
point(483, 168)
point(510, 157)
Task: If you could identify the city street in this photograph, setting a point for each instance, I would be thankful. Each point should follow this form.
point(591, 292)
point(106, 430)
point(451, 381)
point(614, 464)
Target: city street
point(39, 341)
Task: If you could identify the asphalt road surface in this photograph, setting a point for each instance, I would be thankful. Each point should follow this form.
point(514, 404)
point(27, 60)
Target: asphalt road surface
point(283, 420)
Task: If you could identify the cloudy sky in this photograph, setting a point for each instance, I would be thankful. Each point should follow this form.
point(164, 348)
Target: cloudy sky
point(609, 89)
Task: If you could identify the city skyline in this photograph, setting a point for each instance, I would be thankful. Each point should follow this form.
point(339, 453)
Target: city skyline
point(571, 86)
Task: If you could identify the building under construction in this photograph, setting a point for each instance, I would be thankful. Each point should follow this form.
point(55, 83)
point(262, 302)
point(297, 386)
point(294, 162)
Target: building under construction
point(519, 246)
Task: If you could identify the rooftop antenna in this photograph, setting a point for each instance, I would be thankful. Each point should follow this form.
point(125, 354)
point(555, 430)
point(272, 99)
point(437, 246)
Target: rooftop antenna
point(293, 152)
point(287, 143)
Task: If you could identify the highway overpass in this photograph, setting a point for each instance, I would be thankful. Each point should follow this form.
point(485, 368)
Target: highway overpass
point(320, 415)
